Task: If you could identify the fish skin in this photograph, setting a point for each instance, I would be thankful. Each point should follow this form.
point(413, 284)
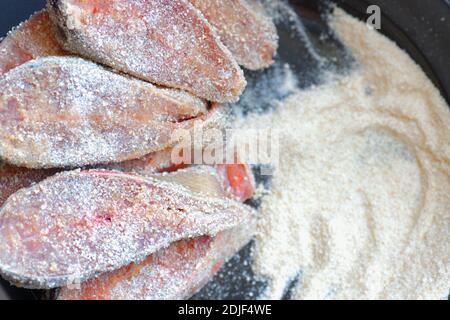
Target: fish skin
point(77, 225)
point(168, 43)
point(244, 28)
point(30, 40)
point(50, 117)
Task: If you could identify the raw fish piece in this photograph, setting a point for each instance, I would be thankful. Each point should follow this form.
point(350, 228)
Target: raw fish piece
point(30, 40)
point(68, 112)
point(13, 178)
point(244, 28)
point(77, 225)
point(179, 271)
point(235, 180)
point(176, 272)
point(169, 43)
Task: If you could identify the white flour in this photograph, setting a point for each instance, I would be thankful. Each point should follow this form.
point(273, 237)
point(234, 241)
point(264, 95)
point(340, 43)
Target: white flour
point(360, 204)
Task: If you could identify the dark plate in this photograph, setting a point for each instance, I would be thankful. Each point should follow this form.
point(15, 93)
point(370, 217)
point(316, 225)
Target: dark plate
point(420, 27)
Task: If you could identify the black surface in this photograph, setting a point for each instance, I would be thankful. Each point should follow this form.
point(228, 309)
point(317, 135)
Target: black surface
point(12, 12)
point(421, 27)
point(427, 23)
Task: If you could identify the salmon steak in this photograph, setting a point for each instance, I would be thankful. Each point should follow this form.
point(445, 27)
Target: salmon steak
point(168, 43)
point(244, 28)
point(30, 40)
point(13, 178)
point(236, 179)
point(77, 225)
point(173, 273)
point(179, 271)
point(67, 112)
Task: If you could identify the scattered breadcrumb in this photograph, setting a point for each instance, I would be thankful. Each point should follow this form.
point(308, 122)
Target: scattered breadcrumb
point(359, 204)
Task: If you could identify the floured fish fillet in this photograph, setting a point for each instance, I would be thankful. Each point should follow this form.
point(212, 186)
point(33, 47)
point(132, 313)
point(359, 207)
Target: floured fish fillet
point(14, 178)
point(77, 225)
point(32, 39)
point(179, 271)
point(176, 272)
point(169, 43)
point(244, 28)
point(67, 112)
